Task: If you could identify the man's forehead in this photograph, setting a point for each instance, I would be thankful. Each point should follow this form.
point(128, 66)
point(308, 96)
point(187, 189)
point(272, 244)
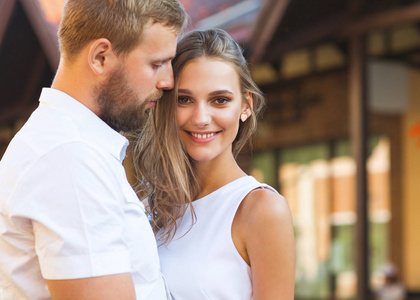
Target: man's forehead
point(159, 41)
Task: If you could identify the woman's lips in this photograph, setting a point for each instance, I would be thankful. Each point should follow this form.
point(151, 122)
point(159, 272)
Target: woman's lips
point(203, 137)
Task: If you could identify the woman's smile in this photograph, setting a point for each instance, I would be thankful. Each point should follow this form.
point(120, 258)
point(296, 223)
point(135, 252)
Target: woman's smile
point(203, 137)
point(210, 103)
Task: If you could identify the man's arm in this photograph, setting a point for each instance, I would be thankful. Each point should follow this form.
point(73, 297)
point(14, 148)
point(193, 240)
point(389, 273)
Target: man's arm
point(119, 286)
point(78, 224)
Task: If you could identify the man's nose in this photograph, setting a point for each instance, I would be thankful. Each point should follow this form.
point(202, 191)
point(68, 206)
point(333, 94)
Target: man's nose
point(166, 80)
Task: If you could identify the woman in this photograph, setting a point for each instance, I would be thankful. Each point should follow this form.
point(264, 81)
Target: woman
point(224, 235)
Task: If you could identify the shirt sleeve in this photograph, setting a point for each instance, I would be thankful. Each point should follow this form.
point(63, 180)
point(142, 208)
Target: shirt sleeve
point(73, 197)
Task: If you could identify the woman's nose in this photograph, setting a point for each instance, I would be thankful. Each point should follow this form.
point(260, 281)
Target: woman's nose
point(201, 116)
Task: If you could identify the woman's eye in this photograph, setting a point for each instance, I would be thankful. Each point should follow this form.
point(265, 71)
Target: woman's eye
point(183, 100)
point(221, 100)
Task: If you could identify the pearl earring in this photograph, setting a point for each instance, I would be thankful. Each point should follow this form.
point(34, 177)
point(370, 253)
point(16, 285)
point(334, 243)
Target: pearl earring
point(244, 117)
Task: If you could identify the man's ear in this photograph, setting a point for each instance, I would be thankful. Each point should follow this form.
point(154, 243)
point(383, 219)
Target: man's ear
point(101, 57)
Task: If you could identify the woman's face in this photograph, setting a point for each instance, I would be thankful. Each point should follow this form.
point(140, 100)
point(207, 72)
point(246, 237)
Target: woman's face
point(210, 103)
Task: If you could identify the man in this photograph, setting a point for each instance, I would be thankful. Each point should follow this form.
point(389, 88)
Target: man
point(71, 227)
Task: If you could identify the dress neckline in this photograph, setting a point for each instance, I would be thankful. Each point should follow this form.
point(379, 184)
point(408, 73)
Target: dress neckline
point(221, 189)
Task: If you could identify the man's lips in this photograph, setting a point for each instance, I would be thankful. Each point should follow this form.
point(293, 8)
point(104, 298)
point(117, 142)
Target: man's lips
point(152, 103)
point(156, 98)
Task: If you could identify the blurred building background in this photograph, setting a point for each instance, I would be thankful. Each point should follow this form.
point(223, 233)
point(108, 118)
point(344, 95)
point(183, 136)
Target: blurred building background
point(340, 138)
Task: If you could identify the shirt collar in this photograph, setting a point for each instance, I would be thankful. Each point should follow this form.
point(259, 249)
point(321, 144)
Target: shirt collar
point(90, 124)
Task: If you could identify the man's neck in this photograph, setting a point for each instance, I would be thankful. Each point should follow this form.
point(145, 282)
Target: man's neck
point(72, 80)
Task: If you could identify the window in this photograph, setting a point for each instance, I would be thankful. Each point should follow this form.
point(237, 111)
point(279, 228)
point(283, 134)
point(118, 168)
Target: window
point(318, 181)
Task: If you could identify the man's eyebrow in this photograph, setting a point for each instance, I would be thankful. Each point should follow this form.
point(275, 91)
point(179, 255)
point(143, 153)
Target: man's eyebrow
point(164, 60)
point(169, 58)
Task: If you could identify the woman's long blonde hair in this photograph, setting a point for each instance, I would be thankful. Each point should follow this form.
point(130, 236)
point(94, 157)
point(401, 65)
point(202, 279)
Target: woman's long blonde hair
point(165, 171)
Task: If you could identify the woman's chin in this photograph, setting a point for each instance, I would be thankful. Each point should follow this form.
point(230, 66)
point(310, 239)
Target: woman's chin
point(201, 157)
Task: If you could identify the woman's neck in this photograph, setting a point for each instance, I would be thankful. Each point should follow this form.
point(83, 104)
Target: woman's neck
point(216, 173)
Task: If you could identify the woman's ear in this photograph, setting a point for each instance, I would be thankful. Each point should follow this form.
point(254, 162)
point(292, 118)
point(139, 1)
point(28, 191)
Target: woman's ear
point(101, 58)
point(247, 107)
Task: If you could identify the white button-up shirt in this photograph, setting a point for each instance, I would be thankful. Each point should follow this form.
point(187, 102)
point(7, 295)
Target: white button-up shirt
point(66, 208)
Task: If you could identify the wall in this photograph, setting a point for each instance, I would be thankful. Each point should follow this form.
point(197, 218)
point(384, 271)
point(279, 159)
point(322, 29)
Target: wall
point(306, 110)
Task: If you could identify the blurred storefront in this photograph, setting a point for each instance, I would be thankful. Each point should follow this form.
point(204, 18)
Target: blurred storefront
point(305, 144)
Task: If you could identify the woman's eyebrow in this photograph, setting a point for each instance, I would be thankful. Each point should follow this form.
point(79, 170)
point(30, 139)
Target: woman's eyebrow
point(214, 93)
point(183, 91)
point(220, 92)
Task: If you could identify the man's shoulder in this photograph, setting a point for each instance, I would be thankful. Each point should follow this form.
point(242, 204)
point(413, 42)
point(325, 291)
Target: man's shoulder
point(39, 144)
point(44, 131)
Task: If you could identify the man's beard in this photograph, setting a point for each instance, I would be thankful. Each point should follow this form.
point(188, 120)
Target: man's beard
point(119, 106)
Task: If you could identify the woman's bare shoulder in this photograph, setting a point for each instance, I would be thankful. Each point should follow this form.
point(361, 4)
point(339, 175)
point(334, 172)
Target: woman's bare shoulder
point(266, 206)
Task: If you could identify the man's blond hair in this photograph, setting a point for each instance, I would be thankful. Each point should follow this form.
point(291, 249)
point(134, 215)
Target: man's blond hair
point(119, 21)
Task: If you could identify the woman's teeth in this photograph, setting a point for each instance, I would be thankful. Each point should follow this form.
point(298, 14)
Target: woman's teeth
point(202, 136)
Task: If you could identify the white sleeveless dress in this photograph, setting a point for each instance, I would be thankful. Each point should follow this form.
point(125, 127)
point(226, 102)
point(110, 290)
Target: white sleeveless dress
point(202, 262)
